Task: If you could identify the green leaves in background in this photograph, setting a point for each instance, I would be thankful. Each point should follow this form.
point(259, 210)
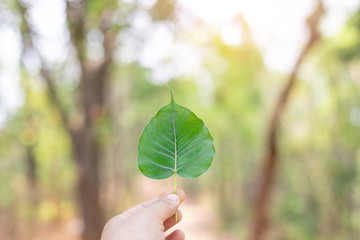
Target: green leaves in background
point(175, 141)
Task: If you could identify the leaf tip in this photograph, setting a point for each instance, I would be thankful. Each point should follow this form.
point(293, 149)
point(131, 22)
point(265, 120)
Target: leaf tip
point(171, 93)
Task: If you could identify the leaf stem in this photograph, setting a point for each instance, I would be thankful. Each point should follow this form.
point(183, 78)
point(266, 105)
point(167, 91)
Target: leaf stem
point(176, 218)
point(175, 183)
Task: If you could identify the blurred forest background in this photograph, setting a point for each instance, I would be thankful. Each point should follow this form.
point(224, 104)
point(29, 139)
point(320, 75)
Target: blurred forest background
point(276, 82)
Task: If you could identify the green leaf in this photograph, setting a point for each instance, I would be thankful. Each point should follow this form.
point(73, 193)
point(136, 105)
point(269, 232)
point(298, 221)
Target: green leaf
point(175, 141)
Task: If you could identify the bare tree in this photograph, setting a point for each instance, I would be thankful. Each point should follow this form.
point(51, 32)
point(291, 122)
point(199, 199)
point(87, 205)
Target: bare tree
point(270, 159)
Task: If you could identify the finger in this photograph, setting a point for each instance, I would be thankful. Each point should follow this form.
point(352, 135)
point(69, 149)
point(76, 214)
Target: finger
point(179, 192)
point(164, 208)
point(176, 235)
point(140, 206)
point(128, 213)
point(170, 222)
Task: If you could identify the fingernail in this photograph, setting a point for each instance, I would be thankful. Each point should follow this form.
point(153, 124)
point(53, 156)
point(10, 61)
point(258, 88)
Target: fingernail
point(173, 197)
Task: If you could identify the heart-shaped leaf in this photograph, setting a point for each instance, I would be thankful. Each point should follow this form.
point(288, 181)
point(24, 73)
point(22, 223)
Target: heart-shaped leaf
point(175, 141)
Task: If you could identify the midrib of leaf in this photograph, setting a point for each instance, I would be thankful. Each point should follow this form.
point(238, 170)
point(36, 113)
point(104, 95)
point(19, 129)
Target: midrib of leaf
point(173, 123)
point(174, 130)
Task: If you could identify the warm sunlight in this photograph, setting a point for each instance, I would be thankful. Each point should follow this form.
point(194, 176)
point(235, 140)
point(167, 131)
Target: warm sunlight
point(277, 27)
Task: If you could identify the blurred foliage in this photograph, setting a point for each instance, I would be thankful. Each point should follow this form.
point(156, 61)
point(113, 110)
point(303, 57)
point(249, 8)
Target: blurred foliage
point(317, 189)
point(349, 44)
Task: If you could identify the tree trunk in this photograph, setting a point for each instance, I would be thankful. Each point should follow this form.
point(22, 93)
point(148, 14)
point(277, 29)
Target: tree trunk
point(270, 160)
point(87, 155)
point(87, 161)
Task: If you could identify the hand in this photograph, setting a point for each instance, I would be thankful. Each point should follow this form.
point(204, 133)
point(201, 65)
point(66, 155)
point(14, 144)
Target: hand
point(148, 220)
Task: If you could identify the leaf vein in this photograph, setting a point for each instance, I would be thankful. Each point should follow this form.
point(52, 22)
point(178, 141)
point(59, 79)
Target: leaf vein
point(158, 144)
point(187, 144)
point(165, 137)
point(191, 148)
point(187, 164)
point(159, 165)
point(164, 154)
point(182, 135)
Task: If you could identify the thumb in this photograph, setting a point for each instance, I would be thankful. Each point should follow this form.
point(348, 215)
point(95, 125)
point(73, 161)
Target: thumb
point(165, 207)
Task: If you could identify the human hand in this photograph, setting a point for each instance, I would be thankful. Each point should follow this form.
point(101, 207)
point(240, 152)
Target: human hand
point(148, 220)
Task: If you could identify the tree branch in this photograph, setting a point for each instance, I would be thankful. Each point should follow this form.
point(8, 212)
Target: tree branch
point(101, 72)
point(271, 155)
point(75, 11)
point(27, 38)
point(54, 97)
point(108, 45)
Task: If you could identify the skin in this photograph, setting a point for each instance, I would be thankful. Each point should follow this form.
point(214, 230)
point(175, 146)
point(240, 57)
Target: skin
point(148, 220)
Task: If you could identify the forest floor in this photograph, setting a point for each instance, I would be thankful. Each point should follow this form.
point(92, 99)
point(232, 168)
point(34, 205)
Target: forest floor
point(198, 222)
